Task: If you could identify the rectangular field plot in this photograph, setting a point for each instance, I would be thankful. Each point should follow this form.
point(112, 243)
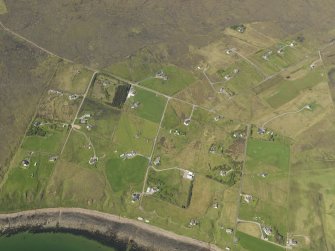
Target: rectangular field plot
point(58, 107)
point(99, 122)
point(135, 134)
point(265, 156)
point(72, 185)
point(213, 148)
point(311, 208)
point(176, 80)
point(212, 209)
point(265, 200)
point(172, 186)
point(71, 78)
point(264, 197)
point(45, 136)
point(275, 59)
point(200, 93)
point(109, 90)
point(79, 149)
point(286, 90)
point(250, 35)
point(250, 243)
point(142, 65)
point(26, 181)
point(127, 175)
point(239, 77)
point(146, 105)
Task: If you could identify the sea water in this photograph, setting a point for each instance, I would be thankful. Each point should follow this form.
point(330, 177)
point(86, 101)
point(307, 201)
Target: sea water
point(51, 242)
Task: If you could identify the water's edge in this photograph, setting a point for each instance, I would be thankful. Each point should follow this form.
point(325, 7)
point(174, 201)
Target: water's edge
point(107, 229)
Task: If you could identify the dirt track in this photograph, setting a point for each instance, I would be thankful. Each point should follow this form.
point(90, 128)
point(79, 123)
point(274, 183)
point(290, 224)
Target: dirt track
point(105, 225)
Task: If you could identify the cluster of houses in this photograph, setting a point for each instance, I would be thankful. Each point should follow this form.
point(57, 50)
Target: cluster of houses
point(188, 175)
point(55, 92)
point(239, 134)
point(157, 161)
point(93, 160)
point(152, 190)
point(25, 163)
point(73, 97)
point(131, 92)
point(84, 120)
point(53, 158)
point(135, 105)
point(217, 118)
point(135, 197)
point(216, 148)
point(222, 90)
point(230, 76)
point(177, 132)
point(161, 75)
point(291, 242)
point(267, 231)
point(193, 223)
point(142, 219)
point(187, 121)
point(280, 51)
point(247, 198)
point(128, 155)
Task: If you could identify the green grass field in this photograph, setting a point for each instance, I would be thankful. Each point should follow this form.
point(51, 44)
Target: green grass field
point(135, 133)
point(50, 143)
point(250, 243)
point(267, 154)
point(126, 175)
point(269, 205)
point(25, 188)
point(151, 106)
point(78, 149)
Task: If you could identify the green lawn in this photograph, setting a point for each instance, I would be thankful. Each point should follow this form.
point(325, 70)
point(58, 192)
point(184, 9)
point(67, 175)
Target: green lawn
point(251, 243)
point(271, 154)
point(126, 174)
point(151, 106)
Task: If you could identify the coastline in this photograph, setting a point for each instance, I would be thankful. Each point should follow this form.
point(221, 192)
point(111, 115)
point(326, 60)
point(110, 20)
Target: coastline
point(104, 227)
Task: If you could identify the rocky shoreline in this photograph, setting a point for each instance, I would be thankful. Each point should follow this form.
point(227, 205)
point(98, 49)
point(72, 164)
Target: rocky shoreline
point(108, 229)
